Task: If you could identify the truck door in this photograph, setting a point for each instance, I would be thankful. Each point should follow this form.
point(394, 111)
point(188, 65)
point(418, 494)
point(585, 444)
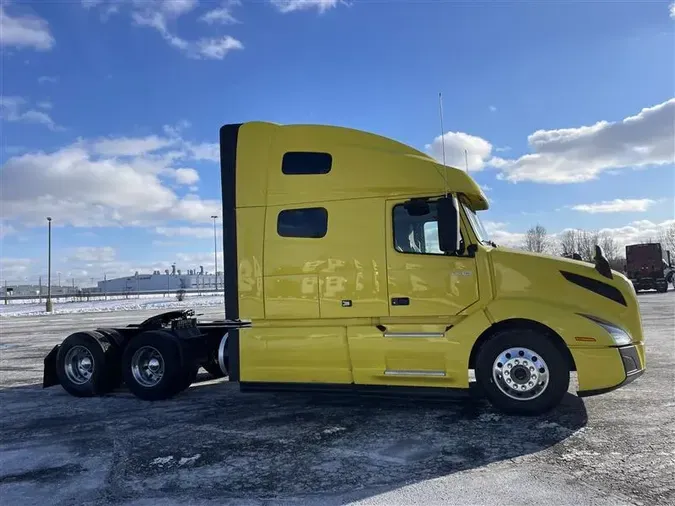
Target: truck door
point(427, 290)
point(423, 281)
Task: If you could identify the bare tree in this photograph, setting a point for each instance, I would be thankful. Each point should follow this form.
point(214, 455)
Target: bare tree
point(586, 241)
point(609, 246)
point(536, 239)
point(667, 238)
point(568, 243)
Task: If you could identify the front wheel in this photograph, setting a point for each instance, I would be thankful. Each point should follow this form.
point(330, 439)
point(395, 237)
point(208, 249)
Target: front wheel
point(522, 372)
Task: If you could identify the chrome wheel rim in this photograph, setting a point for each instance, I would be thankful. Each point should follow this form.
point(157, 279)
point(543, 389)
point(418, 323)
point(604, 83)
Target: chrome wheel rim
point(79, 365)
point(147, 366)
point(520, 374)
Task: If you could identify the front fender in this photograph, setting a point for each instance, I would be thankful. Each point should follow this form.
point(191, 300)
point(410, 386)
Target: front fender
point(598, 363)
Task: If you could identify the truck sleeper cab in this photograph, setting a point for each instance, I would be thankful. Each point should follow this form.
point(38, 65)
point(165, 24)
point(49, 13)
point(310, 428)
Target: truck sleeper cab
point(363, 264)
point(355, 262)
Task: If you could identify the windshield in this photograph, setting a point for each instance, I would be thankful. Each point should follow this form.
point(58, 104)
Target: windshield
point(477, 225)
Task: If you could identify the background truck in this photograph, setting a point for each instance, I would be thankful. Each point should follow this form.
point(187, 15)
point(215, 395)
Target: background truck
point(649, 266)
point(355, 263)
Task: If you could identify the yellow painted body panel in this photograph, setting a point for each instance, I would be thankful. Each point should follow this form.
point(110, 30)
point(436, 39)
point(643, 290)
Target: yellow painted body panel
point(309, 278)
point(292, 354)
point(321, 307)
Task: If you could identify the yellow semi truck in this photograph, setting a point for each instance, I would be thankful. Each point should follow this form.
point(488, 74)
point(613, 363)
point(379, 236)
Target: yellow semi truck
point(355, 262)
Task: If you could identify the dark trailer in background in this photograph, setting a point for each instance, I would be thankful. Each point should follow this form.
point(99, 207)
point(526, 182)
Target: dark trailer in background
point(647, 266)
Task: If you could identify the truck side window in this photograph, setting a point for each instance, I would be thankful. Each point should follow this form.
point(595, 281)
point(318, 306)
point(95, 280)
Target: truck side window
point(305, 162)
point(416, 234)
point(309, 222)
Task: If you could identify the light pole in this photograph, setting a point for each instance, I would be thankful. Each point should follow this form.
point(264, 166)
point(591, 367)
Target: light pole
point(215, 250)
point(49, 265)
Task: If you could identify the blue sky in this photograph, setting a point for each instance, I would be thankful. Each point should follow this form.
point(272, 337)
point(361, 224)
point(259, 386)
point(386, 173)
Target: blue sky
point(111, 109)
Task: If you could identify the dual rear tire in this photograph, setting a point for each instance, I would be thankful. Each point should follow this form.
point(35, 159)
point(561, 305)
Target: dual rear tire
point(153, 364)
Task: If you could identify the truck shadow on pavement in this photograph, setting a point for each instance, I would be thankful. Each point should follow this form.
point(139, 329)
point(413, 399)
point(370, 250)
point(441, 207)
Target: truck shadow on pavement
point(214, 442)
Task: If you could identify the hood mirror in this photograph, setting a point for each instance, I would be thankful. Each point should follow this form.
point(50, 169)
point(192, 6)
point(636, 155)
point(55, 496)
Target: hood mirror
point(601, 262)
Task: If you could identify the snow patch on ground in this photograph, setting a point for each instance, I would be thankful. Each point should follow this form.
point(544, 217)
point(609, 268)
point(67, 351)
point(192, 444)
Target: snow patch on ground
point(132, 304)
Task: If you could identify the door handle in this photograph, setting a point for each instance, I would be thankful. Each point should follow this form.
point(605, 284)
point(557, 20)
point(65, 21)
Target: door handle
point(400, 301)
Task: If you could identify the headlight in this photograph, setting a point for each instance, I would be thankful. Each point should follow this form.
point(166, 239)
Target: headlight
point(620, 336)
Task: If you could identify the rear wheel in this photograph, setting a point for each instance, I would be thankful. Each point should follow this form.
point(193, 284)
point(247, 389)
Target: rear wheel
point(152, 367)
point(522, 372)
point(85, 365)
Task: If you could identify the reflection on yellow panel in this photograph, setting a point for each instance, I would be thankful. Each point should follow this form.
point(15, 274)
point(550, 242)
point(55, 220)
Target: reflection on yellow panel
point(292, 296)
point(250, 253)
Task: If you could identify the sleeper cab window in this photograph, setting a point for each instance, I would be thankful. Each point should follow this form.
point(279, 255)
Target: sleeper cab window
point(306, 162)
point(308, 222)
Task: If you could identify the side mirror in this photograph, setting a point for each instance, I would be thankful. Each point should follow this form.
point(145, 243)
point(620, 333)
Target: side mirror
point(448, 224)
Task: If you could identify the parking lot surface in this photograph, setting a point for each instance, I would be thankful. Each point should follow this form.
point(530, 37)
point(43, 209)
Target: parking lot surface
point(215, 445)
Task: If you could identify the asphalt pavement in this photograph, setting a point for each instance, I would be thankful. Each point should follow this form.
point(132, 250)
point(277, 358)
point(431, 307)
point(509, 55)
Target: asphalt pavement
point(215, 445)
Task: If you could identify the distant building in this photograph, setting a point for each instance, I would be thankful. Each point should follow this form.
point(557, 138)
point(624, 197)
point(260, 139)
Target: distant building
point(34, 290)
point(167, 281)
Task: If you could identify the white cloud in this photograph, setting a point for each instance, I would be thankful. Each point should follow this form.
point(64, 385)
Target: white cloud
point(11, 109)
point(206, 151)
point(15, 268)
point(109, 182)
point(163, 15)
point(671, 8)
point(87, 4)
point(6, 229)
point(91, 254)
point(217, 49)
point(44, 104)
point(48, 79)
point(124, 146)
point(300, 5)
point(478, 150)
point(222, 15)
point(493, 108)
point(499, 234)
point(573, 155)
point(616, 206)
point(185, 176)
point(196, 232)
point(24, 31)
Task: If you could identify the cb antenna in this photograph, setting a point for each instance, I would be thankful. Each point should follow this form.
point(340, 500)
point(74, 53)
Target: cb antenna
point(440, 108)
point(445, 170)
point(466, 160)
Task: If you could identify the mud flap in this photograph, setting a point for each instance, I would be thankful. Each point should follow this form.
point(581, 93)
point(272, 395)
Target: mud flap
point(49, 377)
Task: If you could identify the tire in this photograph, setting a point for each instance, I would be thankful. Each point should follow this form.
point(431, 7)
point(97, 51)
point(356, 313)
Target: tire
point(85, 365)
point(154, 380)
point(540, 353)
